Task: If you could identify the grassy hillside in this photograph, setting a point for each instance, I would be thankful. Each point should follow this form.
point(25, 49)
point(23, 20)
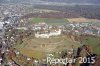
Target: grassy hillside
point(94, 42)
point(38, 47)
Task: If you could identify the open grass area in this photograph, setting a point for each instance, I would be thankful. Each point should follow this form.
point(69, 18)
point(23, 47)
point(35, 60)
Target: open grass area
point(50, 21)
point(27, 51)
point(94, 42)
point(38, 48)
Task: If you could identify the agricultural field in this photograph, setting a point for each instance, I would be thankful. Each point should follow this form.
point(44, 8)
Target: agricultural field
point(50, 21)
point(81, 19)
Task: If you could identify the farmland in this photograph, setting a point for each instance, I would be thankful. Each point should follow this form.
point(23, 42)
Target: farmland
point(82, 20)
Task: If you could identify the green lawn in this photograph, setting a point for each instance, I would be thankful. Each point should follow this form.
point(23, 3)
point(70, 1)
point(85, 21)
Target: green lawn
point(50, 21)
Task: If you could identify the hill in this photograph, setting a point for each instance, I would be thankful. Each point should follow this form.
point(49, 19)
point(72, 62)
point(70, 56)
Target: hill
point(75, 1)
point(63, 1)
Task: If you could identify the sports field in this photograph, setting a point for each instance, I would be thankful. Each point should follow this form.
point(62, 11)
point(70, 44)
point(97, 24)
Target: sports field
point(50, 21)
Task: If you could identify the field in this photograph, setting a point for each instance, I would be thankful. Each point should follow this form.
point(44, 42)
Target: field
point(94, 42)
point(82, 20)
point(38, 48)
point(49, 21)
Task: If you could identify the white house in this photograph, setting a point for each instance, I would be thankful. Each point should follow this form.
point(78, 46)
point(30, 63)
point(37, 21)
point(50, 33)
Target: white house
point(42, 35)
point(55, 33)
point(1, 25)
point(47, 35)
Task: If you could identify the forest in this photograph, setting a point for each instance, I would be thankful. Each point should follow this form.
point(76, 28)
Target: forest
point(87, 11)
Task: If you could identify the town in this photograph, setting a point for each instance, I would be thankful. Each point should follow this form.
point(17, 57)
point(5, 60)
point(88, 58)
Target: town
point(28, 37)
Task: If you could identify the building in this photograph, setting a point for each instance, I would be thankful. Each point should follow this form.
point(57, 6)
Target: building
point(1, 25)
point(48, 34)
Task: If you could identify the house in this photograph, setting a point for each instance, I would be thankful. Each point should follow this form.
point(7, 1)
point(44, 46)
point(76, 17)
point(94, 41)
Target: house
point(48, 33)
point(55, 32)
point(42, 35)
point(39, 26)
point(1, 25)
